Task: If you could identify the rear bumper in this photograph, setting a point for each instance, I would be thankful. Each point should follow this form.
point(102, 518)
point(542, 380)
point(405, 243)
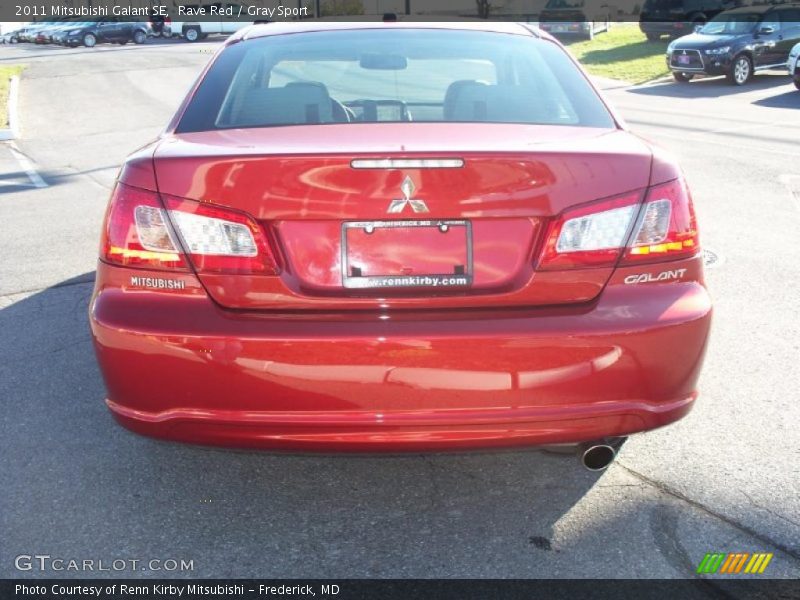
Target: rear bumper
point(400, 432)
point(178, 367)
point(565, 27)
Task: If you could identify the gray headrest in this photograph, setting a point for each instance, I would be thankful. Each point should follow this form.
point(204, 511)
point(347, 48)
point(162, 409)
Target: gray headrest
point(297, 103)
point(453, 92)
point(497, 103)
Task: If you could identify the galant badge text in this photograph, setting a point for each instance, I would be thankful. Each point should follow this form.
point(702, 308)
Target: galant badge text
point(650, 277)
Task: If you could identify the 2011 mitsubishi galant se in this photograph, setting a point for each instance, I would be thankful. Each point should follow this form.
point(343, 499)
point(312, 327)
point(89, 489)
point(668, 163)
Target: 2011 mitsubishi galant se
point(398, 236)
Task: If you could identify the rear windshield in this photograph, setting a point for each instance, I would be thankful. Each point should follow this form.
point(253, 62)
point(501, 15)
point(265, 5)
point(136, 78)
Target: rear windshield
point(559, 4)
point(731, 24)
point(410, 76)
point(651, 5)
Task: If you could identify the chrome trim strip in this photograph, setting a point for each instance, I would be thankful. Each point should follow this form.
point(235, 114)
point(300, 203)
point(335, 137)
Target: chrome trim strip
point(765, 67)
point(407, 163)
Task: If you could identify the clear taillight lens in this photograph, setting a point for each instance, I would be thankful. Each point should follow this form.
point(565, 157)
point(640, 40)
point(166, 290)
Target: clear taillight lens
point(591, 235)
point(221, 240)
point(600, 231)
point(141, 232)
point(209, 235)
point(654, 226)
point(152, 229)
point(667, 229)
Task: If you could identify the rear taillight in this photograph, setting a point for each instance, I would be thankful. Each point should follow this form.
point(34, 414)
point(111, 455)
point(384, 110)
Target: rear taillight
point(590, 236)
point(221, 240)
point(667, 228)
point(141, 232)
point(599, 234)
point(137, 233)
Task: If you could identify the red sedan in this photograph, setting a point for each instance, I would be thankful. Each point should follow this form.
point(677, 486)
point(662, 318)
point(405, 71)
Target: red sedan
point(398, 237)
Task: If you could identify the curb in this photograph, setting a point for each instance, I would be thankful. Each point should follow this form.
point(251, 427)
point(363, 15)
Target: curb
point(607, 83)
point(13, 121)
point(656, 81)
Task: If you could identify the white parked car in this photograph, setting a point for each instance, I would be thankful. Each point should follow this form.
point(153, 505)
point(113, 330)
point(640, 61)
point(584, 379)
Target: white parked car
point(9, 38)
point(794, 65)
point(192, 31)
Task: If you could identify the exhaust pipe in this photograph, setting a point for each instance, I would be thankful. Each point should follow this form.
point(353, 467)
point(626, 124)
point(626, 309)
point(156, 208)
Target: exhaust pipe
point(597, 455)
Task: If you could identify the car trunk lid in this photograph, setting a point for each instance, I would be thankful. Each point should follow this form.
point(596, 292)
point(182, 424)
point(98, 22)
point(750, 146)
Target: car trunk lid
point(418, 236)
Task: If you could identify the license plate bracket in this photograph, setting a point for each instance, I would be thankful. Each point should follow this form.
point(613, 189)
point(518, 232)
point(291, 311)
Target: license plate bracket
point(407, 254)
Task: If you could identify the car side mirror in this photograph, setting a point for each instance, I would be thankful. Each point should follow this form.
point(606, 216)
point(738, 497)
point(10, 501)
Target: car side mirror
point(766, 30)
point(697, 28)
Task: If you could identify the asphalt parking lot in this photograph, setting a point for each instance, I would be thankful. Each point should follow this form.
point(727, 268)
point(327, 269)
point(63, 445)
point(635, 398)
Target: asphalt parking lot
point(75, 485)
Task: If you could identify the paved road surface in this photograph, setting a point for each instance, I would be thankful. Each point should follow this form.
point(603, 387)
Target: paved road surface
point(77, 486)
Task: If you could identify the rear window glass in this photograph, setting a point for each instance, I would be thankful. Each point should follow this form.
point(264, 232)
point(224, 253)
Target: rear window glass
point(650, 5)
point(563, 4)
point(410, 76)
point(731, 24)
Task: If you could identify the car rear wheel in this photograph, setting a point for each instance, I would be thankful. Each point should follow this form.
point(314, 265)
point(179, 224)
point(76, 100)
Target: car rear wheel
point(653, 37)
point(797, 81)
point(139, 37)
point(89, 40)
point(741, 70)
point(682, 77)
point(192, 34)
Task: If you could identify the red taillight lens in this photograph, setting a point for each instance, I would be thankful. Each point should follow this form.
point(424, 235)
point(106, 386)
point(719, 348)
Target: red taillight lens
point(140, 232)
point(221, 240)
point(137, 232)
point(592, 235)
point(595, 235)
point(667, 228)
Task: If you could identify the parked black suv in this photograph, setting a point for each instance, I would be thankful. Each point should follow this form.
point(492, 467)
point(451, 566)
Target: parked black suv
point(109, 29)
point(679, 17)
point(737, 44)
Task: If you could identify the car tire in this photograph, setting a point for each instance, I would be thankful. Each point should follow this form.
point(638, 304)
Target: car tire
point(797, 81)
point(192, 34)
point(682, 77)
point(653, 37)
point(89, 40)
point(741, 70)
point(139, 37)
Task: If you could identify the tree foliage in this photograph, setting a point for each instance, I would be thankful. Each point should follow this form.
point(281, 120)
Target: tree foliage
point(340, 8)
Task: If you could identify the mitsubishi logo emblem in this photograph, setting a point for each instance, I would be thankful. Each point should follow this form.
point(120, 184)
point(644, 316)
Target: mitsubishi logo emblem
point(408, 188)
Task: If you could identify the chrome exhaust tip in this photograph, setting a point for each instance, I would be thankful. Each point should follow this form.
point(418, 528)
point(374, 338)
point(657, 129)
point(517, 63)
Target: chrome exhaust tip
point(598, 455)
